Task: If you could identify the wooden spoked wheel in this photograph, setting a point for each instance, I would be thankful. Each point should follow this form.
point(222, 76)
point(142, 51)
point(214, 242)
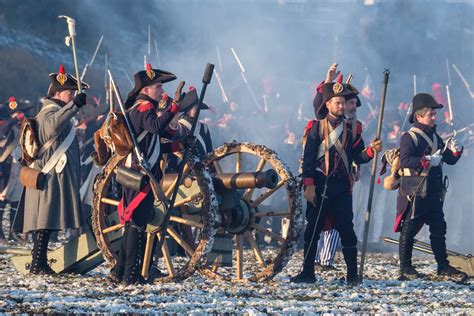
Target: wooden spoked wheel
point(191, 229)
point(259, 252)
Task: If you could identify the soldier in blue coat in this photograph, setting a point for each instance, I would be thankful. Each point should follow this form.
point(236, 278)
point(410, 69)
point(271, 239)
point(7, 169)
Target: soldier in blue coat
point(420, 201)
point(150, 112)
point(329, 152)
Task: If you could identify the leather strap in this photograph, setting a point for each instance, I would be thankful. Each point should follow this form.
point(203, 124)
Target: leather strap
point(126, 214)
point(53, 160)
point(432, 143)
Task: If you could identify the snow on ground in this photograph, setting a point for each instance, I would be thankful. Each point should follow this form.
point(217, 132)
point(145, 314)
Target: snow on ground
point(380, 293)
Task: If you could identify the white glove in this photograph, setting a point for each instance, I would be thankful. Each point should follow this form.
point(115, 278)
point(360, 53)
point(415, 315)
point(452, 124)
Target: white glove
point(434, 159)
point(454, 146)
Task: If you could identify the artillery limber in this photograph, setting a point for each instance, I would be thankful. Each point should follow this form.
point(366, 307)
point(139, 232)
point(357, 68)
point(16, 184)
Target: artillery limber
point(217, 218)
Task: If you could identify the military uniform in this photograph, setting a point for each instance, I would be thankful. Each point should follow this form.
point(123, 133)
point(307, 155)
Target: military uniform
point(135, 207)
point(420, 143)
point(9, 135)
point(58, 205)
point(327, 167)
point(329, 240)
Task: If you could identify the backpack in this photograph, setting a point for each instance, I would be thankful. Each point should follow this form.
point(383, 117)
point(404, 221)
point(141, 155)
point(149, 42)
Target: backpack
point(29, 140)
point(113, 136)
point(391, 158)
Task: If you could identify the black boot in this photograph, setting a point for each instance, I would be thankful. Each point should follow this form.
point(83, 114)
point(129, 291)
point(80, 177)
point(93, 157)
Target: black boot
point(350, 257)
point(135, 249)
point(438, 245)
point(409, 273)
point(39, 263)
point(452, 273)
point(405, 251)
point(13, 207)
point(116, 274)
point(307, 275)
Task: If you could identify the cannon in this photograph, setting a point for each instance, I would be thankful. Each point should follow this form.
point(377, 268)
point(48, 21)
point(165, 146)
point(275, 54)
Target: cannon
point(218, 220)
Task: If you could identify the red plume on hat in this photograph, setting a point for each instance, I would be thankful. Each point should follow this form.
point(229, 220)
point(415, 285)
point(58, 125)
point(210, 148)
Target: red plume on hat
point(61, 77)
point(12, 103)
point(339, 79)
point(149, 71)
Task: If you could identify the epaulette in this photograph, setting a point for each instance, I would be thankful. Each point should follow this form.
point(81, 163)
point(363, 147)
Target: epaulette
point(306, 131)
point(145, 106)
point(308, 127)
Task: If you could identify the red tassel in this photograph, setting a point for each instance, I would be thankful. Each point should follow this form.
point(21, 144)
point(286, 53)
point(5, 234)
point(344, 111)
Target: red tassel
point(61, 69)
point(339, 78)
point(191, 88)
point(12, 99)
point(378, 180)
point(148, 67)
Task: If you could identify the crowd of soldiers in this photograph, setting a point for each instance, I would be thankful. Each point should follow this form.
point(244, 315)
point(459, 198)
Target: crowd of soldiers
point(333, 150)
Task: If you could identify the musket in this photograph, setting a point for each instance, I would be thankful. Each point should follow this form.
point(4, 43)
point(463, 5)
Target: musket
point(155, 186)
point(466, 84)
point(242, 73)
point(372, 179)
point(414, 84)
point(219, 61)
point(163, 227)
point(465, 263)
point(86, 67)
point(450, 106)
point(406, 118)
point(265, 103)
point(149, 40)
point(71, 25)
point(449, 72)
point(349, 79)
point(106, 80)
point(421, 246)
point(219, 81)
point(458, 131)
point(111, 98)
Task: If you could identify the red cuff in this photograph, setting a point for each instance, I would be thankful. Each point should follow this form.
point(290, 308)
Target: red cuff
point(370, 152)
point(174, 107)
point(425, 163)
point(176, 146)
point(319, 88)
point(457, 153)
point(308, 181)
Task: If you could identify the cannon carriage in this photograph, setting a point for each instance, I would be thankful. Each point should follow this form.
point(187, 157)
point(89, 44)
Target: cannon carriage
point(218, 217)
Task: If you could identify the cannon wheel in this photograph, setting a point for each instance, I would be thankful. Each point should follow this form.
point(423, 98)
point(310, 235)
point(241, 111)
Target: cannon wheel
point(261, 264)
point(108, 230)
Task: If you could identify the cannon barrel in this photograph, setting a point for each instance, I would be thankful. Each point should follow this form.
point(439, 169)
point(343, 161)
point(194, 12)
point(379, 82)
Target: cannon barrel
point(238, 180)
point(248, 180)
